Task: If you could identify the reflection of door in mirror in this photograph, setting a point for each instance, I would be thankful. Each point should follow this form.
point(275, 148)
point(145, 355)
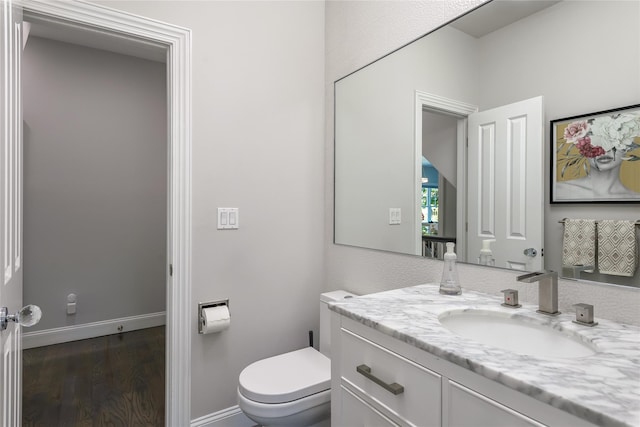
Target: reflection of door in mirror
point(500, 194)
point(504, 195)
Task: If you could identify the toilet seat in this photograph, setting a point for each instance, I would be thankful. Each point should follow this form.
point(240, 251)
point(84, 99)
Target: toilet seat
point(287, 377)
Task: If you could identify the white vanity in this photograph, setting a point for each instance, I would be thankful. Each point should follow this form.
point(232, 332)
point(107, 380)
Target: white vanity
point(395, 363)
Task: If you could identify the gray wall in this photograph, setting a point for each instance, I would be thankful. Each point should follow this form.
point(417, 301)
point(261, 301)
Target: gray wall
point(258, 120)
point(374, 29)
point(95, 162)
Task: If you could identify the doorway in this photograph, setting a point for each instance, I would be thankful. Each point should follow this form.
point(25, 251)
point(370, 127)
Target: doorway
point(439, 199)
point(127, 30)
point(95, 221)
point(450, 117)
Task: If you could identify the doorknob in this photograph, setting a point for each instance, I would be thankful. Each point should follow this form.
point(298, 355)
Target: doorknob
point(530, 252)
point(29, 315)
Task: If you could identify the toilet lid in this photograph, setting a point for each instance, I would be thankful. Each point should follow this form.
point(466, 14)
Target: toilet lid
point(286, 377)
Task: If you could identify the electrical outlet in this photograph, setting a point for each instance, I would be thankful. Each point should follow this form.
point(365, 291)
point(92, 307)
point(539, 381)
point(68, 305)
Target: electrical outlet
point(72, 300)
point(71, 308)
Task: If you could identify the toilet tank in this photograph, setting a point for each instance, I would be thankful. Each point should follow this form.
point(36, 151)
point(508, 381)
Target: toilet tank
point(325, 318)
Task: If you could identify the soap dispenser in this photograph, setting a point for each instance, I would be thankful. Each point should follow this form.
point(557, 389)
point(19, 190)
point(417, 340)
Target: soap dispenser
point(449, 284)
point(486, 256)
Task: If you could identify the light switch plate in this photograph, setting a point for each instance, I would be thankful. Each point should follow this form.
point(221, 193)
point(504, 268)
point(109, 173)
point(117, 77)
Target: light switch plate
point(395, 216)
point(228, 218)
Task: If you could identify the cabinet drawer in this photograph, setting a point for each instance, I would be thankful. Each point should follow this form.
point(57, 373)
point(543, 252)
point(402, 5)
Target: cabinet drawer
point(469, 408)
point(419, 403)
point(360, 414)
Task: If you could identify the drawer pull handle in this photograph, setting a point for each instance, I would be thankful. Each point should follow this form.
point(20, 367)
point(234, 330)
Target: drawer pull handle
point(393, 388)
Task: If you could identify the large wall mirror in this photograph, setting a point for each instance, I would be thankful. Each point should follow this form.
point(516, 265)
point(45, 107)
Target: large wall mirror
point(416, 164)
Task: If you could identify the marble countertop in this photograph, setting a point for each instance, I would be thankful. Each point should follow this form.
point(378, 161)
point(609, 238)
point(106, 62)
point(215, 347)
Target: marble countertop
point(603, 388)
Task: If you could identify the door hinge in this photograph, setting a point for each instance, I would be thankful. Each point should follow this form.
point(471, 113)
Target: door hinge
point(171, 270)
point(466, 227)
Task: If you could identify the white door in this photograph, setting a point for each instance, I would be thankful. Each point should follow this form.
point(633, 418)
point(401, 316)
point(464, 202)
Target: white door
point(10, 210)
point(505, 199)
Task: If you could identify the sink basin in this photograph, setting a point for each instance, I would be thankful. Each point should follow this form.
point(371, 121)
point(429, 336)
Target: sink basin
point(518, 335)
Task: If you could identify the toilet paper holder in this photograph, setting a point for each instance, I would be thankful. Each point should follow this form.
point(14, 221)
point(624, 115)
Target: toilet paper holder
point(204, 305)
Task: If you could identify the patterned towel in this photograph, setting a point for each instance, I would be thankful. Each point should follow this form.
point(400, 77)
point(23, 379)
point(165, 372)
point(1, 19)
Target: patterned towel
point(617, 247)
point(579, 243)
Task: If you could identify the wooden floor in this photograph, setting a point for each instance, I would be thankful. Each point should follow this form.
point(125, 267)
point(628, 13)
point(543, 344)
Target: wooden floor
point(115, 380)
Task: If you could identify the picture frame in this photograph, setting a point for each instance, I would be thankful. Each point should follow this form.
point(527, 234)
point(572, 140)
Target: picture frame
point(595, 158)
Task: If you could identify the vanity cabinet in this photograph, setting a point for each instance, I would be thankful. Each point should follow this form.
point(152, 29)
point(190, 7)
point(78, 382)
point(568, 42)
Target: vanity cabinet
point(376, 374)
point(378, 380)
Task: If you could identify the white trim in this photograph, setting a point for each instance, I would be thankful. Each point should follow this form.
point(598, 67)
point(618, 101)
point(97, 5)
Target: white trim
point(91, 330)
point(445, 105)
point(461, 110)
point(177, 41)
point(461, 189)
point(230, 417)
point(417, 174)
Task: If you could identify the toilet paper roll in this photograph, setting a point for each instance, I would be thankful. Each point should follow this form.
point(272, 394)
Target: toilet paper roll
point(215, 319)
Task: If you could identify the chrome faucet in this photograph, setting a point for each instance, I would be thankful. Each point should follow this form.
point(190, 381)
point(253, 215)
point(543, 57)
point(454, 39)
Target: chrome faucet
point(547, 290)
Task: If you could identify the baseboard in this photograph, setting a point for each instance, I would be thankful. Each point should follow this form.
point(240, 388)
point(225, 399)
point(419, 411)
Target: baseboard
point(230, 417)
point(91, 330)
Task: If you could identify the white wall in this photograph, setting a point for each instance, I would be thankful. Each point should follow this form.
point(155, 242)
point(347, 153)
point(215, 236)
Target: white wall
point(374, 29)
point(258, 122)
point(95, 178)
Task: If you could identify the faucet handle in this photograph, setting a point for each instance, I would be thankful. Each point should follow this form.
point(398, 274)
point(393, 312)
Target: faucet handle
point(576, 269)
point(584, 314)
point(510, 298)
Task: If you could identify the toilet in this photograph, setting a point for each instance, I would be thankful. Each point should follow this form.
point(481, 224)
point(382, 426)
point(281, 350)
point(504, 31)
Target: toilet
point(292, 389)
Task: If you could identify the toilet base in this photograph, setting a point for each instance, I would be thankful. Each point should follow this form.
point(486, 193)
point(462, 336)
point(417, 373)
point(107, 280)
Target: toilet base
point(311, 411)
point(319, 416)
point(324, 423)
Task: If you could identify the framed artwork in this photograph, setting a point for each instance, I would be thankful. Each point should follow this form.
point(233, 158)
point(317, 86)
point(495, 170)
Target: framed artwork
point(595, 158)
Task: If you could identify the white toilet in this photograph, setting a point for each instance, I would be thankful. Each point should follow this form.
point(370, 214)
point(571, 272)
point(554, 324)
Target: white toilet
point(292, 389)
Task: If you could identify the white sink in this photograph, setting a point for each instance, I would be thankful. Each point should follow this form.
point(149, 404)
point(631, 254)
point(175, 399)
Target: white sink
point(520, 335)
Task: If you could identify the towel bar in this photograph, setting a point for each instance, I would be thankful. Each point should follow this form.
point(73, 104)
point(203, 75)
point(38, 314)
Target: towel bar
point(562, 221)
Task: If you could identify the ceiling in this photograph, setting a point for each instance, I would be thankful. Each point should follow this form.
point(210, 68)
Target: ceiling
point(498, 14)
point(484, 20)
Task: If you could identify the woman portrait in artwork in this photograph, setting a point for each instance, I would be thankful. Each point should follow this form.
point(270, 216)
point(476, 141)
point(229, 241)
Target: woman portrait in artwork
point(592, 152)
